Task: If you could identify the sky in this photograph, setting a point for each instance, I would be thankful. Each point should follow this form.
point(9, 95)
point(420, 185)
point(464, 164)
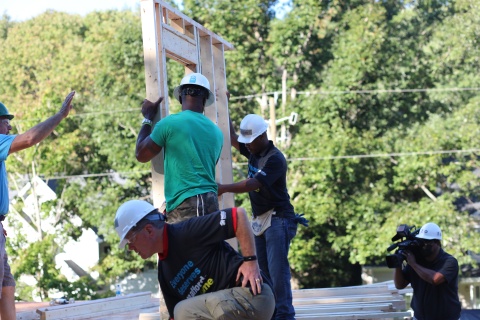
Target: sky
point(20, 10)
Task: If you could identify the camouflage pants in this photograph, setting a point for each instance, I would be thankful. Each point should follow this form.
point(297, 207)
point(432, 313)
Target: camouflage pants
point(195, 206)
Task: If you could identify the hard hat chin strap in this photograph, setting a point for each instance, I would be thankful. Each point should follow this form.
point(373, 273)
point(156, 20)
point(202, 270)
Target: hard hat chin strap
point(154, 216)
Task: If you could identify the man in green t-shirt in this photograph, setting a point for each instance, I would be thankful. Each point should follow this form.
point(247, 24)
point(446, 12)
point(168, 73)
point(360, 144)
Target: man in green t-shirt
point(192, 144)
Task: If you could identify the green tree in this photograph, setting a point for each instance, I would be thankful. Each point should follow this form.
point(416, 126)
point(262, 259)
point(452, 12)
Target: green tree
point(362, 64)
point(101, 57)
point(246, 24)
point(355, 203)
point(5, 24)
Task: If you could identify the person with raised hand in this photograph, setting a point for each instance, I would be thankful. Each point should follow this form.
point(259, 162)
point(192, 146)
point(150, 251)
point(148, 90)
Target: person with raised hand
point(8, 145)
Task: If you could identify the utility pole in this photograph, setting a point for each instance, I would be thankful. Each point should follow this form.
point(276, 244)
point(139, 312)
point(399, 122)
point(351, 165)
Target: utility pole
point(283, 128)
point(36, 205)
point(273, 125)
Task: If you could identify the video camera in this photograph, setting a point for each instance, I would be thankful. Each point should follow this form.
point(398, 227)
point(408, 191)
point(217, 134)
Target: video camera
point(408, 241)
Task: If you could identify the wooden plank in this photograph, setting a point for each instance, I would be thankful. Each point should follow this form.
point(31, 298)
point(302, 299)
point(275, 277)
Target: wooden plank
point(190, 31)
point(177, 24)
point(385, 296)
point(156, 83)
point(106, 306)
point(28, 310)
point(395, 304)
point(224, 169)
point(134, 314)
point(207, 69)
point(341, 291)
point(358, 315)
point(178, 46)
point(342, 299)
point(380, 301)
point(319, 309)
point(399, 304)
point(201, 30)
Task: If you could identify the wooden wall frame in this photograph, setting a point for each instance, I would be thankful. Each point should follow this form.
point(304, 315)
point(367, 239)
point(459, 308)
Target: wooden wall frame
point(168, 33)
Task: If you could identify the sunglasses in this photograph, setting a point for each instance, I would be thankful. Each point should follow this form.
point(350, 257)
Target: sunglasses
point(195, 92)
point(133, 237)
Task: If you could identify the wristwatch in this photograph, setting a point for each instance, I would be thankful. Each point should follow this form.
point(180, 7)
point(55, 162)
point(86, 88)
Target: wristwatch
point(250, 258)
point(147, 121)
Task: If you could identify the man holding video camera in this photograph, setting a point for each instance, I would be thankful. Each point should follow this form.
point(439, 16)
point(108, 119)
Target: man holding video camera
point(433, 275)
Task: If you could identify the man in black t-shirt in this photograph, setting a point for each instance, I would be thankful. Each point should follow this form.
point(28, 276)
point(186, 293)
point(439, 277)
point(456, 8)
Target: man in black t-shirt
point(200, 275)
point(433, 274)
point(274, 220)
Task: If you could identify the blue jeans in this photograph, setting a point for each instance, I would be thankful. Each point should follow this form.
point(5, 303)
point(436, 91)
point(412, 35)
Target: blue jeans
point(272, 251)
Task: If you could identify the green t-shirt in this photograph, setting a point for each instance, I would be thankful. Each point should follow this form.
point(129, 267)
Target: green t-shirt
point(192, 144)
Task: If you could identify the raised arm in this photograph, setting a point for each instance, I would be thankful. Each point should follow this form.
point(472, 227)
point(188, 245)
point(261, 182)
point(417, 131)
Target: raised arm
point(428, 275)
point(146, 149)
point(43, 129)
point(249, 271)
point(233, 134)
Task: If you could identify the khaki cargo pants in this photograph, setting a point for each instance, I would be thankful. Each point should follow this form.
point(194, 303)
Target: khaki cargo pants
point(234, 303)
point(195, 206)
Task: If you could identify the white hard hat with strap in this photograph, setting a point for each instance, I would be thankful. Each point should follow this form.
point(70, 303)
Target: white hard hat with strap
point(128, 215)
point(196, 79)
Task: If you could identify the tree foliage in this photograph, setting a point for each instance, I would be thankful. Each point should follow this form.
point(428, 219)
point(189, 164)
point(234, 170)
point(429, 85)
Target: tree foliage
point(383, 92)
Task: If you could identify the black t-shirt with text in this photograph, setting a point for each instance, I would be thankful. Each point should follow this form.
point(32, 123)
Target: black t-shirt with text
point(196, 259)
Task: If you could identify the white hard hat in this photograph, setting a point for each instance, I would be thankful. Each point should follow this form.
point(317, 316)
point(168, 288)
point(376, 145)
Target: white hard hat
point(128, 215)
point(251, 127)
point(430, 231)
point(197, 79)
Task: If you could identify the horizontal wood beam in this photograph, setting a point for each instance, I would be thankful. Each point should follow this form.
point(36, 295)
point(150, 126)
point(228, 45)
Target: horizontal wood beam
point(99, 307)
point(179, 47)
point(170, 13)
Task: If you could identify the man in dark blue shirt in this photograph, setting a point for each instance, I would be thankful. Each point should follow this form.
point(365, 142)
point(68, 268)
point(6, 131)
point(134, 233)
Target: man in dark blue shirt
point(274, 220)
point(433, 275)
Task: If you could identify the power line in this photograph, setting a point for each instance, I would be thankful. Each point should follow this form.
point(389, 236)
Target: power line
point(338, 92)
point(358, 156)
point(385, 155)
point(106, 112)
point(88, 114)
point(96, 175)
point(278, 93)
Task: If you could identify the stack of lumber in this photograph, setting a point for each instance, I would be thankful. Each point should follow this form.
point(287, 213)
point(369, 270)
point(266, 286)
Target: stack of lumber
point(379, 301)
point(126, 307)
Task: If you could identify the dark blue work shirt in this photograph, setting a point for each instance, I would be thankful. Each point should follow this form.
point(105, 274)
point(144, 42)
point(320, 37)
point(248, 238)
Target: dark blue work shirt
point(270, 168)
